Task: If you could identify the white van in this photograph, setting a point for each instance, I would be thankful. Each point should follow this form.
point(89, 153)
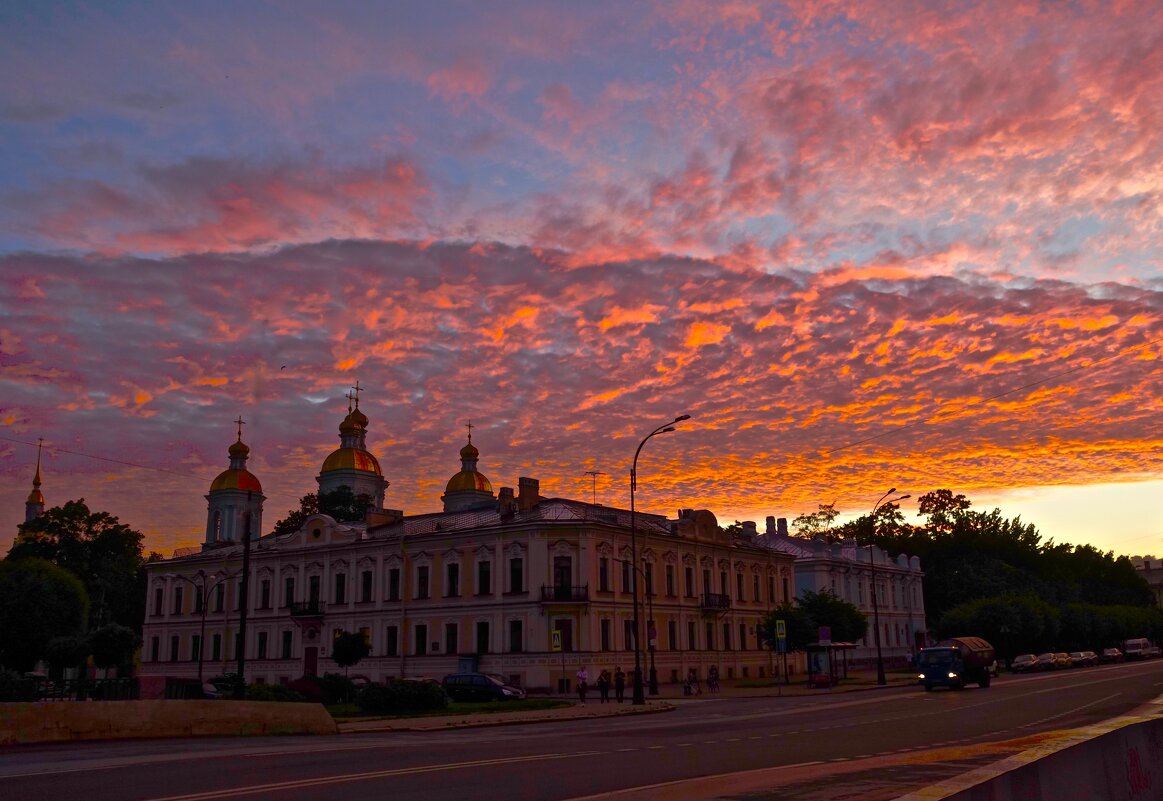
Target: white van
point(1136, 648)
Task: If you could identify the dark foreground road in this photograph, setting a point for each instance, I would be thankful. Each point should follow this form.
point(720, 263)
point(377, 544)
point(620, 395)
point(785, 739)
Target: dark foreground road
point(704, 737)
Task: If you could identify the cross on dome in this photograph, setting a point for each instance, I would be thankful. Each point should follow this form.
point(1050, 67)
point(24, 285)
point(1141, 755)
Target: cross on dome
point(240, 423)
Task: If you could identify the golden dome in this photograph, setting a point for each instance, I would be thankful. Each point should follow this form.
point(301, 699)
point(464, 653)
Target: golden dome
point(36, 496)
point(351, 459)
point(359, 418)
point(238, 450)
point(236, 480)
point(469, 451)
point(468, 481)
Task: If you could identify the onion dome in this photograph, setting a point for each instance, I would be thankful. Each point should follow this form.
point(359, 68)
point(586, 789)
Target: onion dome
point(470, 488)
point(237, 480)
point(238, 450)
point(351, 459)
point(469, 451)
point(468, 480)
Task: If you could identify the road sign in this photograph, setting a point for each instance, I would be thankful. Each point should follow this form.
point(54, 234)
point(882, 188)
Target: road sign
point(825, 635)
point(781, 629)
point(556, 646)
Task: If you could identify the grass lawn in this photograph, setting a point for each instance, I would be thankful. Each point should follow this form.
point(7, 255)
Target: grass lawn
point(455, 708)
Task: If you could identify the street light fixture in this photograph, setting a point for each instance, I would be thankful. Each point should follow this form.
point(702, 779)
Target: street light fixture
point(639, 697)
point(204, 588)
point(880, 679)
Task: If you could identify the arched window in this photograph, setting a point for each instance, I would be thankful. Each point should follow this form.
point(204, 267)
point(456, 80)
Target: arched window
point(216, 527)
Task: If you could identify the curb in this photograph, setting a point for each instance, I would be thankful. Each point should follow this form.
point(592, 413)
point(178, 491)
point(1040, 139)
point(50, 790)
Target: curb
point(488, 721)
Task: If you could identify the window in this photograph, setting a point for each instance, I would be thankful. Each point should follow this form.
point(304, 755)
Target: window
point(742, 636)
point(178, 600)
point(726, 636)
point(626, 586)
point(724, 587)
point(771, 589)
point(604, 574)
point(450, 644)
point(340, 588)
point(158, 602)
point(482, 637)
point(691, 641)
point(313, 591)
point(264, 594)
point(689, 580)
point(739, 586)
point(394, 584)
point(710, 632)
point(707, 588)
point(195, 647)
point(174, 648)
point(670, 591)
point(484, 578)
point(516, 638)
point(605, 634)
point(628, 634)
point(755, 587)
point(198, 599)
point(392, 641)
point(422, 582)
point(516, 574)
point(452, 580)
point(215, 647)
point(421, 639)
point(288, 590)
point(262, 645)
point(648, 577)
point(288, 639)
point(786, 597)
point(672, 635)
point(365, 587)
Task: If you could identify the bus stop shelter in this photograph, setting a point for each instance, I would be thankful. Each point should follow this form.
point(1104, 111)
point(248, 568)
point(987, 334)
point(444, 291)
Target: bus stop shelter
point(828, 663)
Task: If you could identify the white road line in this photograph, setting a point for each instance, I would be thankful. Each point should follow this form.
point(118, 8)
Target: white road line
point(1070, 711)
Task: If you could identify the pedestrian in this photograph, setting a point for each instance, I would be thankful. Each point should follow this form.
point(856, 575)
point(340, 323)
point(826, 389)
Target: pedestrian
point(713, 679)
point(619, 684)
point(692, 680)
point(604, 685)
point(582, 680)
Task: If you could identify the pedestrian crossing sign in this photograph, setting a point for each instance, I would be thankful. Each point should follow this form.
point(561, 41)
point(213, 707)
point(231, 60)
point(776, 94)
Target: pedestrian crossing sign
point(556, 640)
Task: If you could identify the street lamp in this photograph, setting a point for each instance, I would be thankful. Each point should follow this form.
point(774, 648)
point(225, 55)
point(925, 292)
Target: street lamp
point(204, 589)
point(638, 697)
point(880, 679)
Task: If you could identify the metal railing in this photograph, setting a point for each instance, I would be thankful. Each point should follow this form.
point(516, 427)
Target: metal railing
point(307, 609)
point(716, 601)
point(565, 593)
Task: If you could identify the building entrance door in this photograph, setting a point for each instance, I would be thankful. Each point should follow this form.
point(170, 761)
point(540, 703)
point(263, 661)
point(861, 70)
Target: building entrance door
point(311, 661)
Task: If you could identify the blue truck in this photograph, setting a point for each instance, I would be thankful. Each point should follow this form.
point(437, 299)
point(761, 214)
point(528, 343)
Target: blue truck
point(956, 662)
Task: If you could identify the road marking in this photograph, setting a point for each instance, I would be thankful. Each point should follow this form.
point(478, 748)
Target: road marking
point(354, 777)
point(1069, 711)
point(685, 745)
point(656, 747)
point(624, 750)
point(648, 787)
point(734, 739)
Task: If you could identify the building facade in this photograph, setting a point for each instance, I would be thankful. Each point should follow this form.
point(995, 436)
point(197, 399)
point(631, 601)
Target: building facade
point(846, 570)
point(482, 585)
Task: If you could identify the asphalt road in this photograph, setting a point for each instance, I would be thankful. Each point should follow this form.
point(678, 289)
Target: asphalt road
point(564, 760)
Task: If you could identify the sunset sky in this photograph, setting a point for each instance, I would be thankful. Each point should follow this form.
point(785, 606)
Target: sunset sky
point(863, 244)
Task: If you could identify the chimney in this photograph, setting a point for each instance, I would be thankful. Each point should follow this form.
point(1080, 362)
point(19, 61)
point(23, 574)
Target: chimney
point(528, 493)
point(782, 523)
point(770, 526)
point(684, 514)
point(505, 502)
point(749, 529)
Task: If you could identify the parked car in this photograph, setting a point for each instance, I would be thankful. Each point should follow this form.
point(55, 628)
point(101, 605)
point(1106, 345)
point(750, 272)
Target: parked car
point(1152, 652)
point(1062, 660)
point(1045, 662)
point(1109, 655)
point(479, 687)
point(1083, 658)
point(1024, 663)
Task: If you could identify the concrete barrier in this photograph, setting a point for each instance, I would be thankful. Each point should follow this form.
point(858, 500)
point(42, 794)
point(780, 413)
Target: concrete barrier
point(41, 722)
point(1118, 760)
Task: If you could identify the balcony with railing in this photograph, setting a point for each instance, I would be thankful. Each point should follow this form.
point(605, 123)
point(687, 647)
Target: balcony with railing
point(563, 593)
point(312, 608)
point(715, 601)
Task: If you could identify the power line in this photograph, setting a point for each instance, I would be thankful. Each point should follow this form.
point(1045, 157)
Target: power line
point(103, 458)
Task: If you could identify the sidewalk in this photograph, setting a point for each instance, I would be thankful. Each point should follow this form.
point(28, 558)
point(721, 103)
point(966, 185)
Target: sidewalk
point(668, 697)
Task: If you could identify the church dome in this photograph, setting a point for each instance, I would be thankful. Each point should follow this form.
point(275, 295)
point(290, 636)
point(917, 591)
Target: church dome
point(469, 451)
point(234, 479)
point(468, 481)
point(238, 450)
point(351, 459)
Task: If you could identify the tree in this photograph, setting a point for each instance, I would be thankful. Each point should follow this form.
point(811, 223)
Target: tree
point(341, 503)
point(112, 645)
point(66, 652)
point(349, 648)
point(800, 630)
point(817, 523)
point(104, 553)
point(847, 622)
point(38, 601)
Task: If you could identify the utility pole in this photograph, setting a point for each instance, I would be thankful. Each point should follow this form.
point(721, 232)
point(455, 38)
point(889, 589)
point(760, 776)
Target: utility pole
point(593, 474)
point(243, 592)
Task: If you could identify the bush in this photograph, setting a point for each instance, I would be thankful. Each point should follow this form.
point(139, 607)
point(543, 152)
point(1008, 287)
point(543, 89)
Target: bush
point(228, 684)
point(401, 696)
point(13, 687)
point(309, 687)
point(272, 692)
point(336, 688)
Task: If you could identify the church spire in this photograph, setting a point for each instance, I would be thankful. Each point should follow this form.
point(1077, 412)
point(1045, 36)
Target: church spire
point(34, 506)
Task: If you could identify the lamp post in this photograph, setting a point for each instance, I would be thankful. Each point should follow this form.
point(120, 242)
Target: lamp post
point(204, 588)
point(638, 697)
point(880, 679)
